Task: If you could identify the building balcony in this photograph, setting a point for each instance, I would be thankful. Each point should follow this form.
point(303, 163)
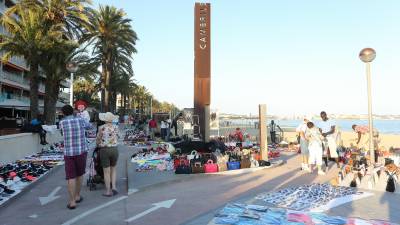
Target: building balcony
point(20, 81)
point(5, 96)
point(15, 77)
point(19, 61)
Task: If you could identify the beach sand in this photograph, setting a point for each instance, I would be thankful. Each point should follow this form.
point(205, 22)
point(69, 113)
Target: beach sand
point(348, 138)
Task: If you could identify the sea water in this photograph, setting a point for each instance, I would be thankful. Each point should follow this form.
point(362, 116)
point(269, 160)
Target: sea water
point(383, 126)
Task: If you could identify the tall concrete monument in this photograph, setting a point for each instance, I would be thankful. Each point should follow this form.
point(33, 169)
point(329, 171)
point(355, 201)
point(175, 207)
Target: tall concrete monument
point(202, 64)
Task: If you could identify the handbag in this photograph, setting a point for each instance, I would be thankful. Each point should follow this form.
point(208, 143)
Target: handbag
point(233, 165)
point(192, 155)
point(209, 156)
point(210, 167)
point(263, 163)
point(197, 167)
point(254, 162)
point(177, 161)
point(220, 158)
point(222, 166)
point(183, 168)
point(245, 162)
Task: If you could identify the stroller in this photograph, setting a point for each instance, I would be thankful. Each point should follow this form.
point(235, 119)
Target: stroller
point(96, 175)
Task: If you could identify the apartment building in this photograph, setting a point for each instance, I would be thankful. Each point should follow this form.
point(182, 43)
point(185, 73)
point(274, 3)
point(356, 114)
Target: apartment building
point(14, 83)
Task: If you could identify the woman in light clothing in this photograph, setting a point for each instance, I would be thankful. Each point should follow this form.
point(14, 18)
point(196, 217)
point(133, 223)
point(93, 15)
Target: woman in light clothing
point(314, 138)
point(107, 142)
point(301, 130)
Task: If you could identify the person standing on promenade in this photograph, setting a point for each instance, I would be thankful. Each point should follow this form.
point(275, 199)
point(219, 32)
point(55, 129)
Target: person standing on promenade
point(363, 138)
point(164, 127)
point(301, 130)
point(152, 128)
point(313, 137)
point(175, 123)
point(272, 131)
point(327, 129)
point(107, 141)
point(75, 152)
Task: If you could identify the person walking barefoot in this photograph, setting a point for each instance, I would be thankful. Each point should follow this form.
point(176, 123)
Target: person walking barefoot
point(107, 141)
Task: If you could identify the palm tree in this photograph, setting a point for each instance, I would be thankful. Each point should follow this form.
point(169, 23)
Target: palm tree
point(27, 37)
point(113, 41)
point(70, 18)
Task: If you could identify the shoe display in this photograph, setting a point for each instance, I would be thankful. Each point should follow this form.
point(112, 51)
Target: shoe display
point(14, 177)
point(239, 214)
point(306, 197)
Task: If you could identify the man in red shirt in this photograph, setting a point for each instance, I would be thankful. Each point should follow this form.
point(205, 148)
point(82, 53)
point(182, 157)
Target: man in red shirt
point(152, 127)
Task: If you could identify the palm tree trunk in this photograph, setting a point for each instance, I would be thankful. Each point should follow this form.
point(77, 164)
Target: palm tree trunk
point(104, 91)
point(34, 89)
point(50, 99)
point(108, 67)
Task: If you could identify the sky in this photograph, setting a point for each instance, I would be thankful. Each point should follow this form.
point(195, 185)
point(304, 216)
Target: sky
point(297, 57)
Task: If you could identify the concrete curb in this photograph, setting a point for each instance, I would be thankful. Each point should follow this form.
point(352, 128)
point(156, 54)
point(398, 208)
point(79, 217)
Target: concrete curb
point(186, 177)
point(31, 186)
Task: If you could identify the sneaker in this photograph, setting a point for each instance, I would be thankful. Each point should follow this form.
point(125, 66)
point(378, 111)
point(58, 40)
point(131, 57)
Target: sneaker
point(320, 172)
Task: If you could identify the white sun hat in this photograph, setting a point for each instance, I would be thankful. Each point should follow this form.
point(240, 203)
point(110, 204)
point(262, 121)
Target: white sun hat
point(107, 117)
point(309, 118)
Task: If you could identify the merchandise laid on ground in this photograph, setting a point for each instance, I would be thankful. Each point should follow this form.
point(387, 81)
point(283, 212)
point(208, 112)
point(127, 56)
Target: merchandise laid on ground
point(153, 156)
point(191, 157)
point(242, 214)
point(220, 157)
point(134, 136)
point(313, 197)
point(355, 172)
point(14, 177)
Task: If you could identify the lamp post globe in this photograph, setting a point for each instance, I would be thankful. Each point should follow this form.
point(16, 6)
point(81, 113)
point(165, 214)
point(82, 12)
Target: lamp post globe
point(72, 67)
point(367, 55)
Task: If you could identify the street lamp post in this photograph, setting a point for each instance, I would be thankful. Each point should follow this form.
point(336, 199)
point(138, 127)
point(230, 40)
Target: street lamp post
point(367, 55)
point(72, 68)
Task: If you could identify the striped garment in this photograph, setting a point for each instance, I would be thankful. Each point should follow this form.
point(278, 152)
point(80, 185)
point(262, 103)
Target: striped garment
point(73, 130)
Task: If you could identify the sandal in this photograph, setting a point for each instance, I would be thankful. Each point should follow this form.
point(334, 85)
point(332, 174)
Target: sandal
point(71, 207)
point(115, 192)
point(80, 199)
point(107, 195)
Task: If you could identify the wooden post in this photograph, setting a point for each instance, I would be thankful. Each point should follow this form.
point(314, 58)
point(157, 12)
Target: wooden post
point(263, 131)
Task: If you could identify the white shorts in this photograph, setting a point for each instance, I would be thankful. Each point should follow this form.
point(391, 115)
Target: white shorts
point(315, 151)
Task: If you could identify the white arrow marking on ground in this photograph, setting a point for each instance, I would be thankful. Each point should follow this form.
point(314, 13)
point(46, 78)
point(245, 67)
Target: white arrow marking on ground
point(165, 204)
point(51, 197)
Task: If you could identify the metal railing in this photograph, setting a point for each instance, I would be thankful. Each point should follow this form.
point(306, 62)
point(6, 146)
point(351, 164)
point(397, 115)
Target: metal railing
point(20, 80)
point(15, 77)
point(4, 96)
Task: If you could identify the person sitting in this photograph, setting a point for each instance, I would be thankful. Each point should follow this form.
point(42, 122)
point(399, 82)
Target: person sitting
point(36, 127)
point(363, 138)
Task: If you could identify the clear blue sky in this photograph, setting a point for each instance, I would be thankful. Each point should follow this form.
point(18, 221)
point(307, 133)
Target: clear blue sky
point(298, 57)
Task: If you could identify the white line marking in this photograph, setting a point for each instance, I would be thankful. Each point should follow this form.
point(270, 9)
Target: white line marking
point(51, 197)
point(34, 216)
point(165, 204)
point(83, 215)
